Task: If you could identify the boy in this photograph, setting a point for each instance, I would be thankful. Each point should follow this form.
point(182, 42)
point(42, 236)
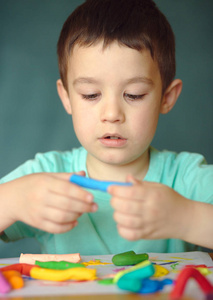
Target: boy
point(117, 68)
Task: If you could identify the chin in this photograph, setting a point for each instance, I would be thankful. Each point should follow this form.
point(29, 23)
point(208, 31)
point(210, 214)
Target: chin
point(115, 160)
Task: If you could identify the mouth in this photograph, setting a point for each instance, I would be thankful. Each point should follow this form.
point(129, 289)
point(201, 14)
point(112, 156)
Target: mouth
point(113, 137)
point(113, 140)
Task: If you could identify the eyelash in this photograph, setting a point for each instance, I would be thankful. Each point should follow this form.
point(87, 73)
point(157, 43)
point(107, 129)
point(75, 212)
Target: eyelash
point(134, 97)
point(129, 96)
point(90, 97)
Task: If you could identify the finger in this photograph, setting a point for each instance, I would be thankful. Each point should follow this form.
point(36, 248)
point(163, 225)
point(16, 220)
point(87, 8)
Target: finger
point(128, 221)
point(132, 179)
point(56, 228)
point(59, 216)
point(136, 192)
point(130, 234)
point(127, 206)
point(68, 189)
point(68, 204)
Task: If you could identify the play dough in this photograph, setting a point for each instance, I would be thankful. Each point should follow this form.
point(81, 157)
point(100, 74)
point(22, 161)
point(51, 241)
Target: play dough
point(31, 258)
point(62, 275)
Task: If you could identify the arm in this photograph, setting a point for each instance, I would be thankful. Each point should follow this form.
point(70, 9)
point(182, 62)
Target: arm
point(149, 210)
point(200, 231)
point(47, 201)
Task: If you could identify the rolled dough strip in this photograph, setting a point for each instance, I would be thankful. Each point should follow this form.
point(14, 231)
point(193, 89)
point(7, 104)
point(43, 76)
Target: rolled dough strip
point(31, 258)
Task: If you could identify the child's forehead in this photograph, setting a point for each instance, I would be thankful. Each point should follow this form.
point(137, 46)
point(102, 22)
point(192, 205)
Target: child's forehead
point(114, 52)
point(115, 63)
point(114, 48)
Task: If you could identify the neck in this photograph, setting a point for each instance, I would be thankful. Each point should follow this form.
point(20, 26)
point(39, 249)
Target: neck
point(102, 171)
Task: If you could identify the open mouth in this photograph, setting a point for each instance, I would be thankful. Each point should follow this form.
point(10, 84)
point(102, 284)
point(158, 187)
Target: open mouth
point(113, 137)
point(113, 140)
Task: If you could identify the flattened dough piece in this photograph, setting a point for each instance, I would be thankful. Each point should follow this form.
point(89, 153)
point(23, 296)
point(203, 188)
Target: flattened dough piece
point(31, 258)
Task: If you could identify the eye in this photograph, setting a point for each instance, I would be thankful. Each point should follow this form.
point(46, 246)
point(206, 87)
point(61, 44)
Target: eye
point(133, 97)
point(90, 96)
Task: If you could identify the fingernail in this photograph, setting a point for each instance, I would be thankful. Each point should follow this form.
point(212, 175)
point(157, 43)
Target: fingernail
point(132, 179)
point(75, 223)
point(94, 207)
point(89, 197)
point(110, 189)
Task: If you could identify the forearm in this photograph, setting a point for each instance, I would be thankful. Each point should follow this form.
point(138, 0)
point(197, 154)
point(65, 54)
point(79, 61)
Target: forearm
point(200, 225)
point(6, 206)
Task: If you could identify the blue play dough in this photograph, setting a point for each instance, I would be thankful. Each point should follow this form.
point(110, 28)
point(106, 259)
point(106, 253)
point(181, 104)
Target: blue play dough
point(152, 286)
point(95, 184)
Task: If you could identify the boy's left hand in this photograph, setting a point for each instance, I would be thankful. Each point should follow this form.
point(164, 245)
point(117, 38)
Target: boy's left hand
point(149, 210)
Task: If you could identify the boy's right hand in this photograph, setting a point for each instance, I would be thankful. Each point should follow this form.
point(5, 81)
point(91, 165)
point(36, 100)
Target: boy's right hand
point(47, 201)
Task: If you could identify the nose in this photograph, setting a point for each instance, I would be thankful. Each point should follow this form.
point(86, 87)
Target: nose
point(112, 110)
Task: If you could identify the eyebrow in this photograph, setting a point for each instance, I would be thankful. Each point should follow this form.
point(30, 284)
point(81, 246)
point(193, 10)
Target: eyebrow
point(139, 79)
point(83, 80)
point(91, 80)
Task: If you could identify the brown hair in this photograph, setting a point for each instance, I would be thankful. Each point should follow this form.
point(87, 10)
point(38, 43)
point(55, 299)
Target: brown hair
point(137, 24)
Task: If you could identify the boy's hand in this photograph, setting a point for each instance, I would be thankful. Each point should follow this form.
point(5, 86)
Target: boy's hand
point(148, 210)
point(47, 201)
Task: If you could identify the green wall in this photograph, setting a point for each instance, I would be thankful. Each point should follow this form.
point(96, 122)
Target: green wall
point(32, 118)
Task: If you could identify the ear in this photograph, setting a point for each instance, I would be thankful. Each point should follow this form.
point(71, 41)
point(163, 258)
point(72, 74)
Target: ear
point(170, 96)
point(64, 96)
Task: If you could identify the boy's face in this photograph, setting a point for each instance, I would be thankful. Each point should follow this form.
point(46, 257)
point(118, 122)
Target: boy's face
point(115, 101)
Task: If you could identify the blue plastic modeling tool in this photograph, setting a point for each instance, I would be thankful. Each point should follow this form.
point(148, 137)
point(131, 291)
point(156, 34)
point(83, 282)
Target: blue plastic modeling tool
point(95, 184)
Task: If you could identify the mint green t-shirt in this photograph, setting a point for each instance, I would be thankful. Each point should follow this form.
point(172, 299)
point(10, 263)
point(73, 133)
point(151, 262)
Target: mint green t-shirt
point(96, 233)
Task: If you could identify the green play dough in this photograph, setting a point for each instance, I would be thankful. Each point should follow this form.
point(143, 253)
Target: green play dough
point(129, 258)
point(106, 281)
point(58, 265)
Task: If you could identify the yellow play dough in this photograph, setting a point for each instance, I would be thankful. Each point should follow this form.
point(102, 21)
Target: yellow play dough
point(160, 271)
point(63, 275)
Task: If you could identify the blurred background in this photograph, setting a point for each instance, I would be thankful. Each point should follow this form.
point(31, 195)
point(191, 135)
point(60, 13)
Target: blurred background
point(32, 118)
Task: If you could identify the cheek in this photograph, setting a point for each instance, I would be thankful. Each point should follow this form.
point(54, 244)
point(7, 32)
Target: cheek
point(145, 124)
point(83, 123)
